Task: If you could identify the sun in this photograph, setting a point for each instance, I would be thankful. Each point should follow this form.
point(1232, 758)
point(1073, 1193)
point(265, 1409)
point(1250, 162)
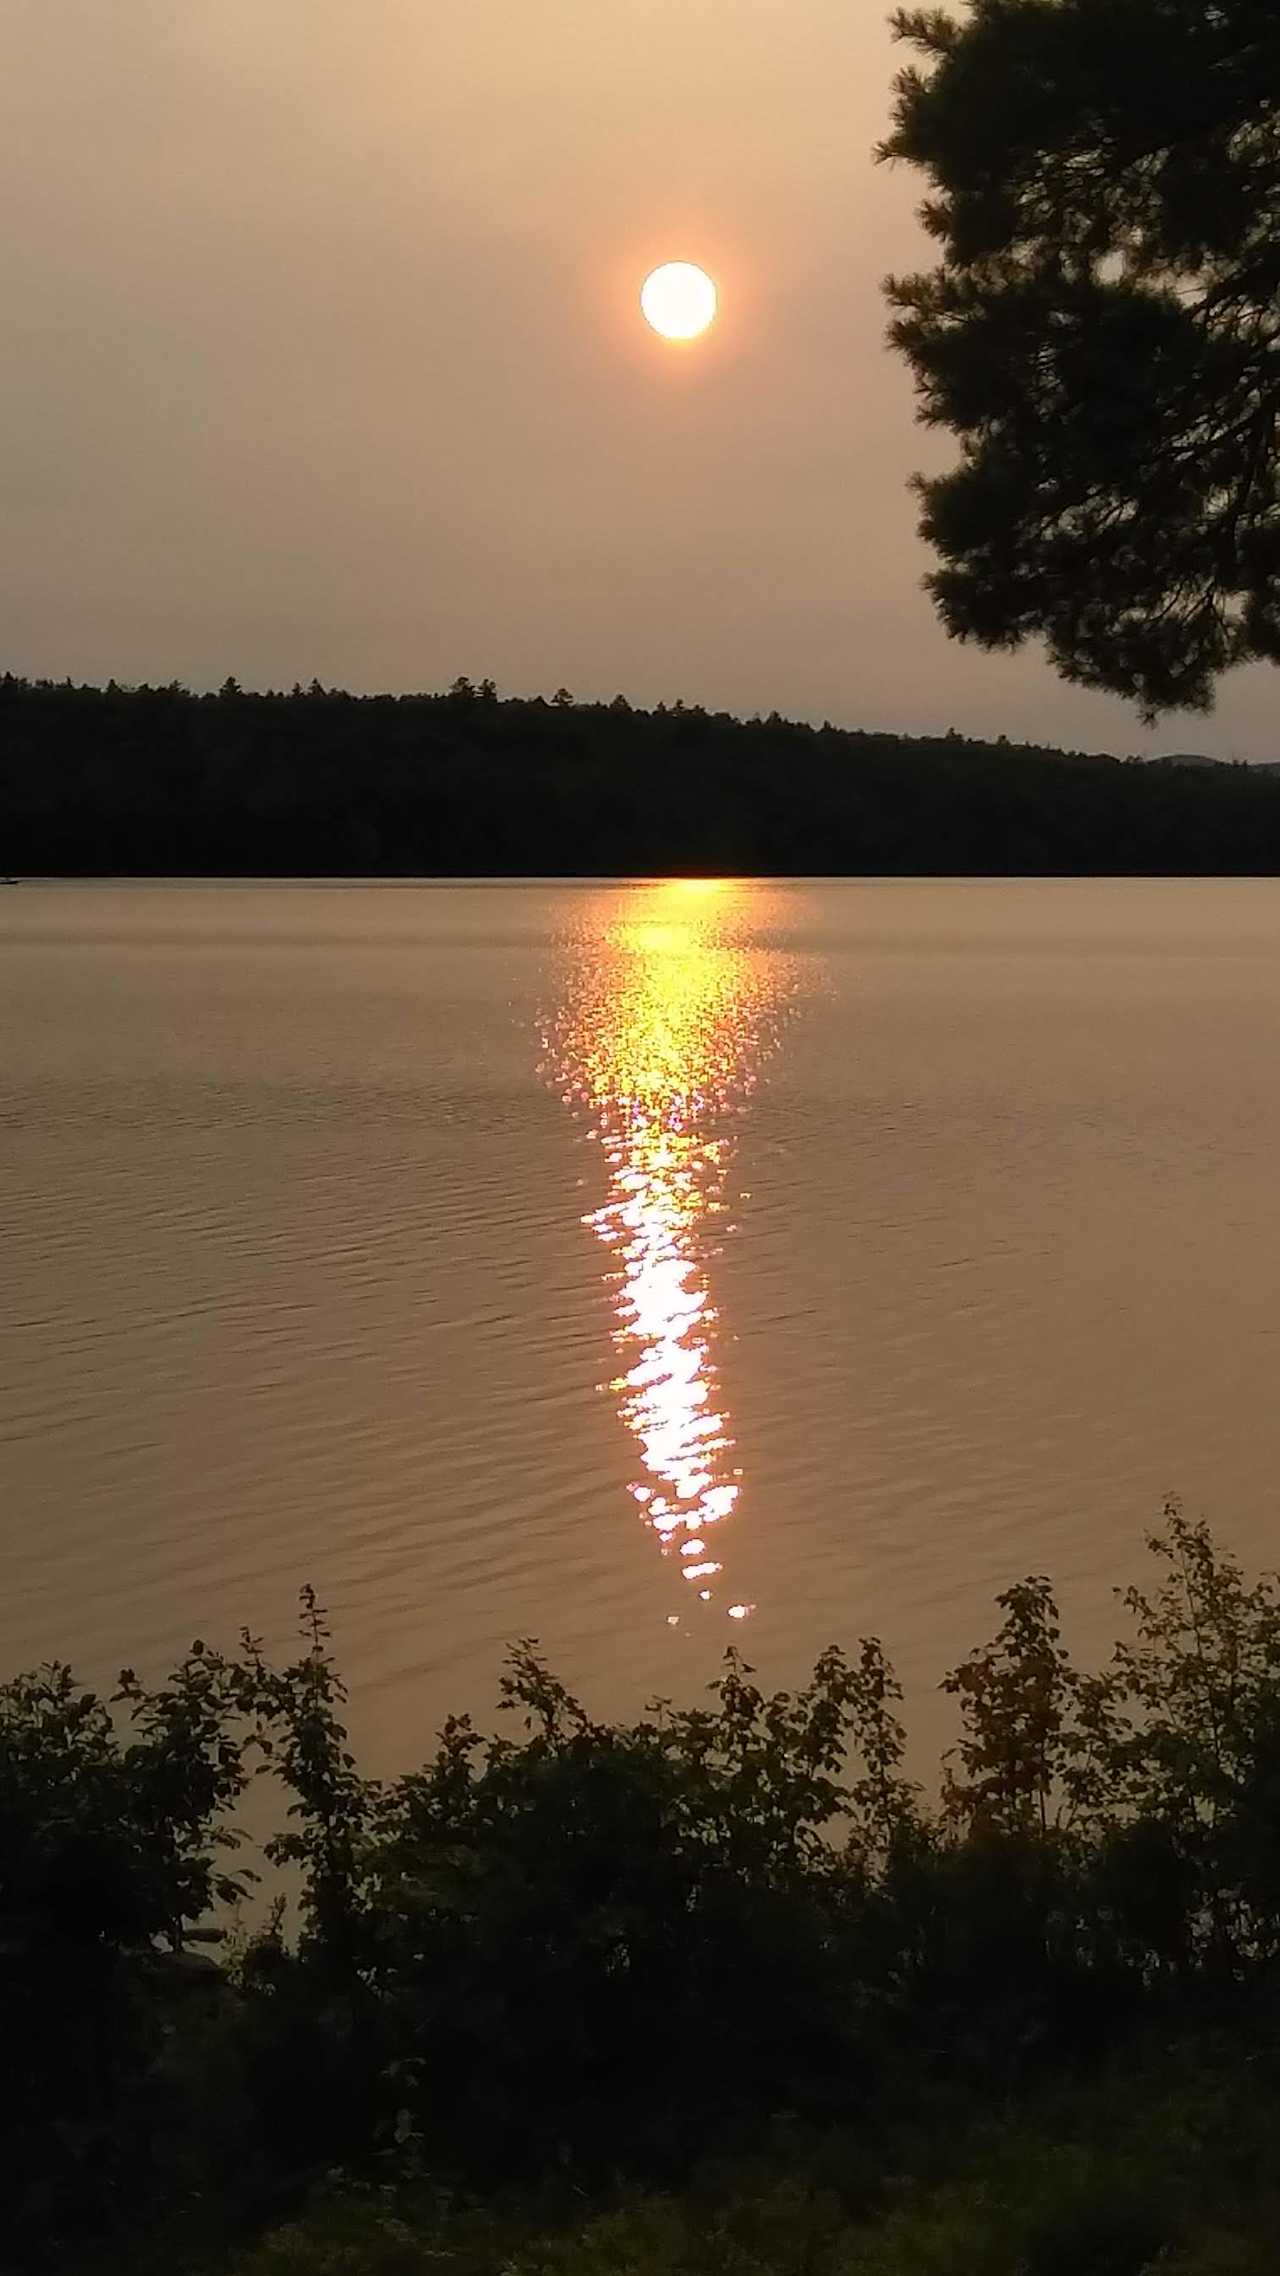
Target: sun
point(679, 300)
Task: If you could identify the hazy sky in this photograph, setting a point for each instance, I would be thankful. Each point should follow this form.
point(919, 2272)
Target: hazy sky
point(320, 354)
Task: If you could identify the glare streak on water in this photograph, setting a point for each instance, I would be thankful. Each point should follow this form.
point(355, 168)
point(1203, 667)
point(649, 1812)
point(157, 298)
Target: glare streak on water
point(666, 1017)
point(533, 1258)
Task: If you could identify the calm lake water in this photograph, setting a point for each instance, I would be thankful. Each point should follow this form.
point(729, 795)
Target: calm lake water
point(641, 1267)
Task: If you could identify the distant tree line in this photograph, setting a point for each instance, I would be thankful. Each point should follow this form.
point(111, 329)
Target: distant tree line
point(160, 781)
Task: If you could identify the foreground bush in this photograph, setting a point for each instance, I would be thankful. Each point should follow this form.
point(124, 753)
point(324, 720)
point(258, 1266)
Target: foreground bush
point(588, 1951)
point(1117, 2178)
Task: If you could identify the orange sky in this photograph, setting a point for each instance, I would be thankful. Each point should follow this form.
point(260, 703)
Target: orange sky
point(321, 355)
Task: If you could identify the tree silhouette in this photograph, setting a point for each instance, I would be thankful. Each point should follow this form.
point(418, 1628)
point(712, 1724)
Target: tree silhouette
point(161, 782)
point(1102, 331)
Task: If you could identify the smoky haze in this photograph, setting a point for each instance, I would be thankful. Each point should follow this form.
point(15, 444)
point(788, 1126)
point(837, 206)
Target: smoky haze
point(322, 356)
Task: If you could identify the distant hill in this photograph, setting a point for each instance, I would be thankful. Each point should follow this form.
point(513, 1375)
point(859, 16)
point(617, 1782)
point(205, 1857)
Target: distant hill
point(1198, 759)
point(159, 781)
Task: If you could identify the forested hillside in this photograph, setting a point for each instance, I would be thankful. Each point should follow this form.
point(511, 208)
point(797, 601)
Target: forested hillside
point(160, 781)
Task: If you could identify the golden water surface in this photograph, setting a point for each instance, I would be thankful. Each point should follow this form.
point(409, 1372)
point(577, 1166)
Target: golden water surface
point(618, 1263)
point(670, 1008)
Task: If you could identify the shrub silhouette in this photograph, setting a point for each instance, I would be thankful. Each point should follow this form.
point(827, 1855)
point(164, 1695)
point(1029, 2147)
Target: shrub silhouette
point(585, 1948)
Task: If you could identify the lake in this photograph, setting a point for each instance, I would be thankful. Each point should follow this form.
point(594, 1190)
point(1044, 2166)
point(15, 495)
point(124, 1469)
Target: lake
point(642, 1267)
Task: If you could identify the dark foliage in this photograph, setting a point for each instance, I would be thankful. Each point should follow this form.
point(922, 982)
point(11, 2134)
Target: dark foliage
point(110, 1849)
point(155, 781)
point(1101, 331)
point(586, 1950)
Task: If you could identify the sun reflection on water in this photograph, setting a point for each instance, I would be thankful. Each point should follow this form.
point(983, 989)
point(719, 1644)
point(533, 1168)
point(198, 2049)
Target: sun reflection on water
point(671, 1007)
